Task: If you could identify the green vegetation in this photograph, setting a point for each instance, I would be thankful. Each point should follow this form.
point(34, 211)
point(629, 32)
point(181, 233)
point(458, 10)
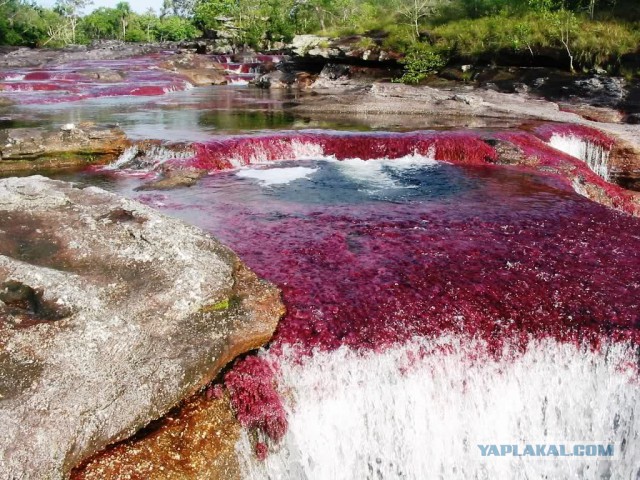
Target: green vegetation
point(24, 23)
point(578, 34)
point(419, 62)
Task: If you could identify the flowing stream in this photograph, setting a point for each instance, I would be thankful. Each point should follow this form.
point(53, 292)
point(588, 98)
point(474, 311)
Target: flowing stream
point(435, 303)
point(432, 308)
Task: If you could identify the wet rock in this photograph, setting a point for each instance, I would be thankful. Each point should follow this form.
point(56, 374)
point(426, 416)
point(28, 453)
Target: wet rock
point(453, 73)
point(198, 441)
point(624, 165)
point(277, 79)
point(594, 114)
point(332, 71)
point(601, 91)
point(24, 306)
point(305, 80)
point(103, 75)
point(173, 179)
point(200, 70)
point(145, 311)
point(521, 88)
point(190, 61)
point(25, 149)
point(204, 77)
point(633, 119)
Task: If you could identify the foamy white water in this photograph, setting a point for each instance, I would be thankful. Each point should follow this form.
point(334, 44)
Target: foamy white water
point(276, 176)
point(593, 155)
point(258, 155)
point(376, 173)
point(400, 414)
point(146, 160)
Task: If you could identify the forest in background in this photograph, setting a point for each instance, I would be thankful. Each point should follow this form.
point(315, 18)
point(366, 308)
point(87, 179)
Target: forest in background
point(429, 33)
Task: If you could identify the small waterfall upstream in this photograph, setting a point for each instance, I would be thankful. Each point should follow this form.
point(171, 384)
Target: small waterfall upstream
point(147, 158)
point(594, 155)
point(587, 144)
point(242, 69)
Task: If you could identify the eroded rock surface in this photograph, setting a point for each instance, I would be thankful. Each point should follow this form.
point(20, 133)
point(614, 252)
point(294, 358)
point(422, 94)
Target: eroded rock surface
point(111, 314)
point(25, 149)
point(198, 69)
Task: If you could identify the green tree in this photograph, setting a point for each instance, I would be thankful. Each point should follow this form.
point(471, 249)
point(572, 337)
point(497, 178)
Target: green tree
point(123, 10)
point(173, 28)
point(564, 26)
point(70, 10)
point(101, 24)
point(421, 61)
point(148, 22)
point(414, 11)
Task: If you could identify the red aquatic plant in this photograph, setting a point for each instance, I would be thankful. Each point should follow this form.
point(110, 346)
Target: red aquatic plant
point(232, 151)
point(257, 404)
point(572, 169)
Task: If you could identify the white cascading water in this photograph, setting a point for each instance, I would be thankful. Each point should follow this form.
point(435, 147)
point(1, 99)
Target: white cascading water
point(276, 176)
point(419, 411)
point(146, 160)
point(125, 158)
point(296, 150)
point(596, 156)
point(184, 86)
point(371, 174)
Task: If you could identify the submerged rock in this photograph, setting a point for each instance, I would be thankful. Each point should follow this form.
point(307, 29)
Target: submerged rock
point(103, 75)
point(175, 179)
point(111, 314)
point(196, 442)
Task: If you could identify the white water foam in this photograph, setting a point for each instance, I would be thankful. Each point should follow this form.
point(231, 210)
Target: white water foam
point(124, 159)
point(419, 412)
point(375, 174)
point(593, 155)
point(237, 82)
point(133, 158)
point(276, 176)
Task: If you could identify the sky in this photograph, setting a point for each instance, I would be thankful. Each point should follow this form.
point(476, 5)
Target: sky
point(139, 6)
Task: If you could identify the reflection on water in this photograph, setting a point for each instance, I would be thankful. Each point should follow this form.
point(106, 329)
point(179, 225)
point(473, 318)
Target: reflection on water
point(186, 116)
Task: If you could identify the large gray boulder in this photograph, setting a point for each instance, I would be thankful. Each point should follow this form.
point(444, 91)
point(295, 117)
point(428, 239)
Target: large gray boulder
point(110, 315)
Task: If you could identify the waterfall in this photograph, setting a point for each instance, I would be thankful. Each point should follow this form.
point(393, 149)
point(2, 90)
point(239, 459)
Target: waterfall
point(595, 155)
point(419, 411)
point(242, 70)
point(236, 151)
point(147, 158)
point(125, 158)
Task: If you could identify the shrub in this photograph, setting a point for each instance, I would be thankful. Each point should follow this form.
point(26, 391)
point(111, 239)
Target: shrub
point(421, 61)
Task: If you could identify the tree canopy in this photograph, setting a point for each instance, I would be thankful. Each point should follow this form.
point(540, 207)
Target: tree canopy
point(589, 32)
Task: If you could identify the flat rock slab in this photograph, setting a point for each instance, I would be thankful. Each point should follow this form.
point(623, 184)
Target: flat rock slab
point(110, 315)
point(29, 149)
